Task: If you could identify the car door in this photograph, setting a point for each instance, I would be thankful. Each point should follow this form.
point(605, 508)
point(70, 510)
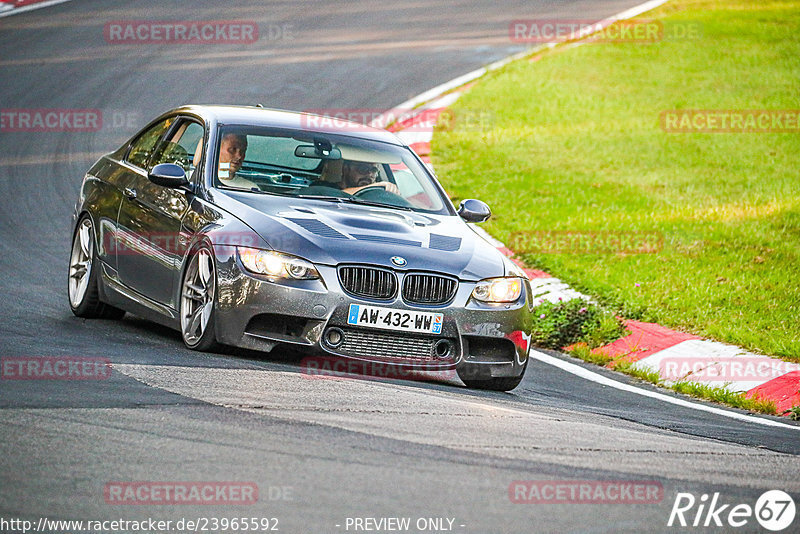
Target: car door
point(150, 217)
point(130, 171)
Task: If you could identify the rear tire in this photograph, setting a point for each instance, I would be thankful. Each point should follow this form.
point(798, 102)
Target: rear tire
point(198, 298)
point(82, 284)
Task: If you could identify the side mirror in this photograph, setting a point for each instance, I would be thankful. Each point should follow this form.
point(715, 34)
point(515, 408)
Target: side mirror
point(168, 175)
point(474, 211)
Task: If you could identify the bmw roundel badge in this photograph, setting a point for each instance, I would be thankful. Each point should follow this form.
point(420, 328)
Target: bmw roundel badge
point(400, 262)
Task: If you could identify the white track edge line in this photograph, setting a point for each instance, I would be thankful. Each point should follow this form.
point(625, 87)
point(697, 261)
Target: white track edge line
point(584, 373)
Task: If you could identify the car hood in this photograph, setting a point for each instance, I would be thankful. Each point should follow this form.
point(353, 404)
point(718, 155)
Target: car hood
point(332, 233)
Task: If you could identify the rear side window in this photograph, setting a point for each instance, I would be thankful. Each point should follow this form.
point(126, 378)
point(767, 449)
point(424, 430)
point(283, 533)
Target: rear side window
point(145, 144)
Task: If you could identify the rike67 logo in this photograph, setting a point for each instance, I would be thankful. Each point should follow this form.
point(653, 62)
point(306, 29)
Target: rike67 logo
point(774, 510)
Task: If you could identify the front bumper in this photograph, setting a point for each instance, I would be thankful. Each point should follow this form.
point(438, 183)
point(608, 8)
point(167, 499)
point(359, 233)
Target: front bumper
point(476, 338)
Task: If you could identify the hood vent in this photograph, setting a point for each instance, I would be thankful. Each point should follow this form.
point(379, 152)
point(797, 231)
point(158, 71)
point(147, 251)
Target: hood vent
point(445, 243)
point(318, 227)
point(387, 240)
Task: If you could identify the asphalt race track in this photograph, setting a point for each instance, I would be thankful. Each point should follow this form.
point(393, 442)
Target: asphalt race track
point(320, 450)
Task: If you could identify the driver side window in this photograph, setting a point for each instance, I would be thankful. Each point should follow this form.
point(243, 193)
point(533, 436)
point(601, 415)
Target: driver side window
point(181, 147)
point(145, 144)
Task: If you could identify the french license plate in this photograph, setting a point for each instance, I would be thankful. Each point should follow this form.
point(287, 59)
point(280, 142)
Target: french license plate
point(391, 319)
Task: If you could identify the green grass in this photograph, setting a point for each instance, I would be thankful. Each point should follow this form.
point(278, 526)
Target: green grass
point(584, 352)
point(643, 374)
point(574, 144)
point(724, 396)
point(557, 325)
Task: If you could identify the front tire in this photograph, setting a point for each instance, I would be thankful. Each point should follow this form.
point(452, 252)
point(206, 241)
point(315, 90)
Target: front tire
point(82, 288)
point(198, 294)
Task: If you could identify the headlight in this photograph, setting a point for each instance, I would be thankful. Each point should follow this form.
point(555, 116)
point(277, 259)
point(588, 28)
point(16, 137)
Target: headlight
point(276, 264)
point(498, 290)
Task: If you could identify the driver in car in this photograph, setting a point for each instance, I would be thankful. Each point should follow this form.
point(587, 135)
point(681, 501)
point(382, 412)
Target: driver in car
point(232, 149)
point(358, 175)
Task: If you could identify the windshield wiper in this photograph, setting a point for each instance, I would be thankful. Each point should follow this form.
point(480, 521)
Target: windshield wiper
point(355, 200)
point(245, 189)
point(321, 197)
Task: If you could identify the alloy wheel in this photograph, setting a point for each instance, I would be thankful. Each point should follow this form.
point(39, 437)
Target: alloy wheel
point(80, 263)
point(197, 297)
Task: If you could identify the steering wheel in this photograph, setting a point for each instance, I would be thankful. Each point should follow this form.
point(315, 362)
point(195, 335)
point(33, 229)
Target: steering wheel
point(372, 187)
point(377, 193)
point(175, 153)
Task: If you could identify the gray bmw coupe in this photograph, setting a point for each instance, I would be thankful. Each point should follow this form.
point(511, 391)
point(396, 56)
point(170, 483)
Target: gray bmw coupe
point(261, 228)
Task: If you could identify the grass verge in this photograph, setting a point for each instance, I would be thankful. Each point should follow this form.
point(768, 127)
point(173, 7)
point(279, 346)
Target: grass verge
point(574, 144)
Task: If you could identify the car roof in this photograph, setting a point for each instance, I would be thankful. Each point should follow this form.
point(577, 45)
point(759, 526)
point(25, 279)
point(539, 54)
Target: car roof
point(292, 120)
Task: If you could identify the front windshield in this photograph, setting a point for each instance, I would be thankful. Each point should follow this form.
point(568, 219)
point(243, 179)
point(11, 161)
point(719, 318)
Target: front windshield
point(327, 167)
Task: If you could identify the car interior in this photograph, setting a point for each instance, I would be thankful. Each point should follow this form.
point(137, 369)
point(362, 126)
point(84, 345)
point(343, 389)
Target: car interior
point(294, 166)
